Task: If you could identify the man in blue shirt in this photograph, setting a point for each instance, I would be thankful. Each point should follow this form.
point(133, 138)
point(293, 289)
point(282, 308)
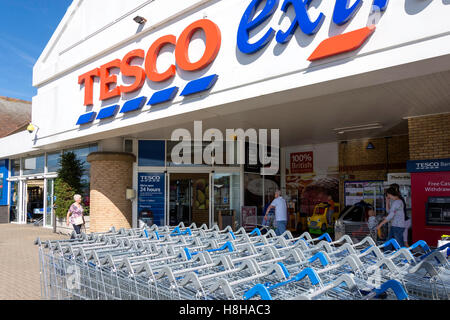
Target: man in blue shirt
point(280, 213)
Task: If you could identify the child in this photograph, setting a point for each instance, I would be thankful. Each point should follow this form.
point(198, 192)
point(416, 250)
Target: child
point(372, 222)
point(330, 211)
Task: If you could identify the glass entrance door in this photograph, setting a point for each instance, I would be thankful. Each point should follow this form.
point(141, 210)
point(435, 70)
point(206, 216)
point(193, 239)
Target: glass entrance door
point(227, 195)
point(14, 208)
point(49, 210)
point(189, 198)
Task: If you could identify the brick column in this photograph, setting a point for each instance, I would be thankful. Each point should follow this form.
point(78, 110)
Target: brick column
point(429, 137)
point(111, 175)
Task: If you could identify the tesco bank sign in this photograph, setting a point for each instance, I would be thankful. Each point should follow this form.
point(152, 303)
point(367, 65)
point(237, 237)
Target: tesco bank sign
point(108, 87)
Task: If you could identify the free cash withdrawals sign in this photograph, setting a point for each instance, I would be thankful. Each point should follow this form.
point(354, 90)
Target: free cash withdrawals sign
point(302, 162)
point(151, 198)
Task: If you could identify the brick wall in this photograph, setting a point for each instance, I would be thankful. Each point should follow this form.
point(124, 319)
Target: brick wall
point(358, 163)
point(429, 137)
point(111, 175)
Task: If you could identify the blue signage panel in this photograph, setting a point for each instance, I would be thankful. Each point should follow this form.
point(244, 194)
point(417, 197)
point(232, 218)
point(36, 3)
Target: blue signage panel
point(436, 165)
point(152, 153)
point(151, 198)
point(4, 182)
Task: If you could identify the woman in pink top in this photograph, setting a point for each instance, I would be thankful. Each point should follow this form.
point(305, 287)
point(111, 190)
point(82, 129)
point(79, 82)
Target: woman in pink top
point(75, 214)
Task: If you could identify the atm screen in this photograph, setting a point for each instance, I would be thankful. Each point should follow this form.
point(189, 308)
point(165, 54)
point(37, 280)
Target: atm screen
point(438, 211)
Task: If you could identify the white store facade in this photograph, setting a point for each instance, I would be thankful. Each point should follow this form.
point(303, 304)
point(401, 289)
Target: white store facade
point(366, 64)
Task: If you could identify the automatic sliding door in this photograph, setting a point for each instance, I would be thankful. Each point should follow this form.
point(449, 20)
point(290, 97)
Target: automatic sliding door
point(189, 198)
point(14, 208)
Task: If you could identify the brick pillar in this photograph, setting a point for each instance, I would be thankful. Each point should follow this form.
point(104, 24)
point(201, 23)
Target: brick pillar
point(429, 137)
point(111, 175)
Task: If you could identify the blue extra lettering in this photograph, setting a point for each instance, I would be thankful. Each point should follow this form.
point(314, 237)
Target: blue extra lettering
point(249, 22)
point(342, 13)
point(302, 19)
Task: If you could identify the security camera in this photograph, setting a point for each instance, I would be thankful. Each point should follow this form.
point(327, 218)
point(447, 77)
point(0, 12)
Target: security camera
point(140, 20)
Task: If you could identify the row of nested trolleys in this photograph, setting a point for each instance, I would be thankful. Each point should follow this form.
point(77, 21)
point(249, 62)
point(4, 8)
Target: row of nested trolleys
point(207, 263)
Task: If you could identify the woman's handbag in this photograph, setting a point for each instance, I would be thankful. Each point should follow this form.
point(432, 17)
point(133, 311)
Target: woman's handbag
point(78, 220)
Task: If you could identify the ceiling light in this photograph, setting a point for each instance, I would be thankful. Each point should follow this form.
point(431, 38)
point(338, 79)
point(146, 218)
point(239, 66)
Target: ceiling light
point(370, 126)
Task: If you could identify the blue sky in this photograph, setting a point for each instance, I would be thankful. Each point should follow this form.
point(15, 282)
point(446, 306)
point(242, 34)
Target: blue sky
point(26, 26)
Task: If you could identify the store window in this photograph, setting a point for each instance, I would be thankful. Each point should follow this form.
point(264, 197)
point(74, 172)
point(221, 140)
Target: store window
point(151, 153)
point(33, 165)
point(15, 167)
point(189, 155)
point(218, 155)
point(253, 192)
point(53, 162)
point(82, 154)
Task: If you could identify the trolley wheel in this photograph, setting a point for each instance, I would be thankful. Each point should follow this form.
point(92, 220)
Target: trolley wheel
point(323, 228)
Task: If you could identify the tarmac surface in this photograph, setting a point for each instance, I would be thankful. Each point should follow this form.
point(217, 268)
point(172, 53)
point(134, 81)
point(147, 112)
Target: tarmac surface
point(19, 261)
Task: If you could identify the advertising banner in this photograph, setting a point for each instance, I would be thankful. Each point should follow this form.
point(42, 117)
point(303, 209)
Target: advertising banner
point(430, 206)
point(3, 182)
point(312, 175)
point(1, 185)
point(302, 162)
point(436, 165)
point(151, 198)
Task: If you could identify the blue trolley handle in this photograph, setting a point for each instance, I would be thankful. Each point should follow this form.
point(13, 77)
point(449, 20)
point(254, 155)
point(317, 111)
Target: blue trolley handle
point(396, 286)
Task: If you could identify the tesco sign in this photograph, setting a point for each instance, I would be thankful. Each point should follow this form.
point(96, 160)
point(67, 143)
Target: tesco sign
point(343, 13)
point(108, 82)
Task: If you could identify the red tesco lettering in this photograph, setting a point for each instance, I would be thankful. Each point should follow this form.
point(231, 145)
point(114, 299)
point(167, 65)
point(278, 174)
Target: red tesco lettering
point(213, 41)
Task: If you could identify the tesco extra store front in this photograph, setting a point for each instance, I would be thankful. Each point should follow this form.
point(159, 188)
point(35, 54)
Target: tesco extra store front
point(325, 73)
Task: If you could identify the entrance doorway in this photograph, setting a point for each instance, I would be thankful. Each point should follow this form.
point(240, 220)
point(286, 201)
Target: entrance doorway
point(189, 195)
point(34, 201)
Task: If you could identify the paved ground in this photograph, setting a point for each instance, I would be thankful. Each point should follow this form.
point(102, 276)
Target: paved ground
point(19, 261)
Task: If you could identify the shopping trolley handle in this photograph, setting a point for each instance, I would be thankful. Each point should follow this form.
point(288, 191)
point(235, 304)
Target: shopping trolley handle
point(270, 233)
point(424, 265)
point(323, 258)
point(392, 242)
point(439, 256)
point(309, 273)
point(227, 246)
point(345, 239)
point(347, 279)
point(255, 231)
point(301, 243)
point(306, 235)
point(395, 286)
point(367, 239)
point(296, 254)
point(258, 290)
point(421, 244)
point(282, 242)
point(225, 286)
point(405, 253)
point(287, 235)
point(325, 236)
point(280, 270)
point(385, 262)
point(347, 247)
point(324, 244)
